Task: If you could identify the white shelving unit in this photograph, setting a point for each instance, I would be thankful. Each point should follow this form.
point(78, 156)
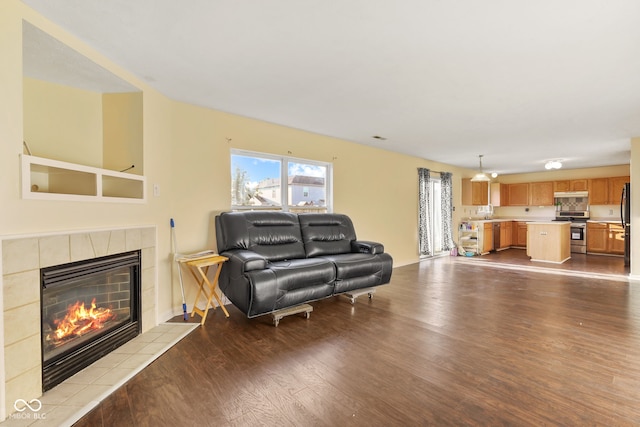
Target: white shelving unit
point(47, 179)
point(469, 237)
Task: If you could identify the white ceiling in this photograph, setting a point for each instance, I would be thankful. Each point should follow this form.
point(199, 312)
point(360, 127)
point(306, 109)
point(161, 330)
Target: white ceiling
point(519, 81)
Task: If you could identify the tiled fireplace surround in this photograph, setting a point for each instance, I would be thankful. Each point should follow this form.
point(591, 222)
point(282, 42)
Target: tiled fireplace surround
point(22, 258)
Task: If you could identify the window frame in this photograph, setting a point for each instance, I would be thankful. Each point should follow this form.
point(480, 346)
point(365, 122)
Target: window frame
point(284, 180)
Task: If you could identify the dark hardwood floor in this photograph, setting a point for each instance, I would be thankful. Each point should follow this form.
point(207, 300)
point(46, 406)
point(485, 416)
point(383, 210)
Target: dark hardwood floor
point(448, 342)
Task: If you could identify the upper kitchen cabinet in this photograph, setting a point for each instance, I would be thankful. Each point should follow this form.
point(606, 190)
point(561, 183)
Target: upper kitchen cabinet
point(475, 193)
point(541, 193)
point(616, 185)
point(599, 191)
point(518, 194)
point(571, 185)
point(499, 194)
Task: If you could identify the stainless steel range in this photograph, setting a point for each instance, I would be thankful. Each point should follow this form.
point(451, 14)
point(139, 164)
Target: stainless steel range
point(578, 221)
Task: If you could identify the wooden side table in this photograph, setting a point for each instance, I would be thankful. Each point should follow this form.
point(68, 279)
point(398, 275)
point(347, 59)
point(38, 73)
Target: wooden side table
point(199, 267)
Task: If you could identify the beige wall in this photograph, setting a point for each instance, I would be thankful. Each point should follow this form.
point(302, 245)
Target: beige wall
point(374, 187)
point(186, 157)
point(63, 123)
point(122, 141)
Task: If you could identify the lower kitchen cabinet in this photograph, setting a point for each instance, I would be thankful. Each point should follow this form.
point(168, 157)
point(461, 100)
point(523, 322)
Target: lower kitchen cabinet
point(616, 239)
point(597, 237)
point(506, 233)
point(605, 238)
point(487, 238)
point(519, 236)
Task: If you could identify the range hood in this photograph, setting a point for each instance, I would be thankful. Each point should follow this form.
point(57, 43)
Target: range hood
point(566, 194)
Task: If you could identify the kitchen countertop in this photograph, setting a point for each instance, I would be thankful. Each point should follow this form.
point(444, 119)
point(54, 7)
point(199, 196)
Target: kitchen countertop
point(537, 220)
point(605, 220)
point(509, 219)
point(549, 222)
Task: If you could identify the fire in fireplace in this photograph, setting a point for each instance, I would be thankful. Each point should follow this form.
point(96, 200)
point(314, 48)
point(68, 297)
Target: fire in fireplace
point(88, 309)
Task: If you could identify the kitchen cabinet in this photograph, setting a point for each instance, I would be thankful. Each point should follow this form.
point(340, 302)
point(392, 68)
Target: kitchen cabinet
point(487, 237)
point(579, 185)
point(571, 185)
point(615, 239)
point(597, 237)
point(541, 193)
point(519, 234)
point(518, 194)
point(475, 193)
point(549, 241)
point(499, 194)
point(599, 191)
point(616, 184)
point(506, 231)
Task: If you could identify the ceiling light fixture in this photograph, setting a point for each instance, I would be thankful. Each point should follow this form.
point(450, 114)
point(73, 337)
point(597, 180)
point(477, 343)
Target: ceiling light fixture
point(480, 176)
point(553, 164)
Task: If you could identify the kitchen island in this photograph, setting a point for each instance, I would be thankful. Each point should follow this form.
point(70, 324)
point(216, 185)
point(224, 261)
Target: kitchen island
point(549, 241)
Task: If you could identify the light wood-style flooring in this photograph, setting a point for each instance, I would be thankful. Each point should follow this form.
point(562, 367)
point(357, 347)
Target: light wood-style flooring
point(448, 342)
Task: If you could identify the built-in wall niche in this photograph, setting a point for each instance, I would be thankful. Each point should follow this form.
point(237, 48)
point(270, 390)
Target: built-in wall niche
point(47, 179)
point(83, 130)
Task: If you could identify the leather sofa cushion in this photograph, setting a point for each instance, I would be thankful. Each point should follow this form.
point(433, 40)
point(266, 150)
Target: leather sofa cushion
point(286, 283)
point(354, 264)
point(325, 234)
point(274, 235)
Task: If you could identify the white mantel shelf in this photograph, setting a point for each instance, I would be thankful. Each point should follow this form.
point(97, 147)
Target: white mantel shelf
point(47, 179)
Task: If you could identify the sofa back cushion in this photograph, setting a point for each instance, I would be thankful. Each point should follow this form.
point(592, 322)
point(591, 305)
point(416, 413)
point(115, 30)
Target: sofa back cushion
point(326, 234)
point(274, 235)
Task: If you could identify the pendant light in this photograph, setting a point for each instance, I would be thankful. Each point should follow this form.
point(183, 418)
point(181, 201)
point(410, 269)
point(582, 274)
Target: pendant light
point(480, 176)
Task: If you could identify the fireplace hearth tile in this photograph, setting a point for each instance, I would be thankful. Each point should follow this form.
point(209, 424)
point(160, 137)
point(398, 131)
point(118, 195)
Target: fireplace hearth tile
point(87, 376)
point(111, 360)
point(69, 401)
point(113, 377)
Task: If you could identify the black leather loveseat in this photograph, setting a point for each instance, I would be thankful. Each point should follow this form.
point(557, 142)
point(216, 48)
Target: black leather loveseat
point(279, 260)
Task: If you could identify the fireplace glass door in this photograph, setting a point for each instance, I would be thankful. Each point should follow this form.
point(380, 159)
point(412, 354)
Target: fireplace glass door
point(89, 308)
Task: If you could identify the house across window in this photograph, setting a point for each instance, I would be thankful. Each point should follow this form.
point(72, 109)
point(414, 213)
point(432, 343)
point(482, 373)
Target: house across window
point(263, 181)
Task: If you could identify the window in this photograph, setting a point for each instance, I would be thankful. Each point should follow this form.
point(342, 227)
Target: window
point(264, 181)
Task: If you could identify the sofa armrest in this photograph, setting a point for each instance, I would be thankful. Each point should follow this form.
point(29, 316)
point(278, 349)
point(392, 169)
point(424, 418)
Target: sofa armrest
point(241, 260)
point(367, 247)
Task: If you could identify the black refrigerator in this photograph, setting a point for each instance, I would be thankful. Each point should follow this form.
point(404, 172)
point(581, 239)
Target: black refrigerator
point(625, 217)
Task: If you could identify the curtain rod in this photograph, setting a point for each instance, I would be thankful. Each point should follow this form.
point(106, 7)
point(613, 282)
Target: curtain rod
point(431, 170)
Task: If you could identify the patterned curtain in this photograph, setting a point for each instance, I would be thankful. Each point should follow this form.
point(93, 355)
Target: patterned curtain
point(447, 211)
point(424, 197)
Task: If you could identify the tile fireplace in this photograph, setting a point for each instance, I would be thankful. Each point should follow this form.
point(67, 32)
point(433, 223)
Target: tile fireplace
point(24, 257)
point(88, 309)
